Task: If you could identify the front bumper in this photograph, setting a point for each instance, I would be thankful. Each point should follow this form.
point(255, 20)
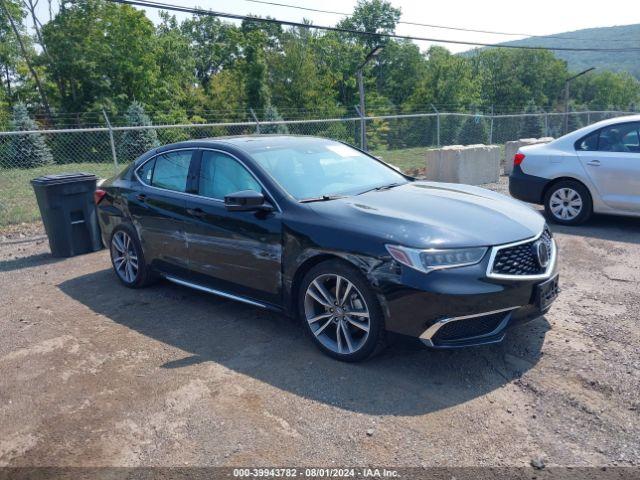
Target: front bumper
point(457, 307)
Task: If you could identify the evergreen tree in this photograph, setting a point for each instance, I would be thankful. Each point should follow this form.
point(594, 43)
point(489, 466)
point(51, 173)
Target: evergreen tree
point(136, 142)
point(27, 151)
point(532, 126)
point(271, 115)
point(473, 131)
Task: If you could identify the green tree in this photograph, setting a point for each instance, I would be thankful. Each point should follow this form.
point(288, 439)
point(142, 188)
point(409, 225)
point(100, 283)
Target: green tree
point(606, 90)
point(103, 53)
point(509, 78)
point(136, 142)
point(373, 16)
point(214, 45)
point(9, 52)
point(256, 86)
point(473, 131)
point(298, 83)
point(532, 126)
point(271, 115)
point(27, 150)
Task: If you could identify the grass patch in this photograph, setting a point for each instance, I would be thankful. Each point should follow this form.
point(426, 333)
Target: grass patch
point(17, 200)
point(405, 159)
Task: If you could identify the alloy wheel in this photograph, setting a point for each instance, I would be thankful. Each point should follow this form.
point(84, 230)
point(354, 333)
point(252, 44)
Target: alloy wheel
point(125, 258)
point(565, 203)
point(337, 313)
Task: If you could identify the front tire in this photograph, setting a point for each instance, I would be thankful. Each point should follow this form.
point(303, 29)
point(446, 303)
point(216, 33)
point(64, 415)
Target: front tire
point(127, 258)
point(568, 202)
point(341, 312)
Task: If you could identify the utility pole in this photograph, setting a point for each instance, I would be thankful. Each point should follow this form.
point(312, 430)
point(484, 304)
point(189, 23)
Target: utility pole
point(363, 122)
point(566, 97)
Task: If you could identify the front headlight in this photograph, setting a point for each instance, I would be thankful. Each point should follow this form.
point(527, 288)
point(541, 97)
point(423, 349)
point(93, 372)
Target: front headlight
point(435, 259)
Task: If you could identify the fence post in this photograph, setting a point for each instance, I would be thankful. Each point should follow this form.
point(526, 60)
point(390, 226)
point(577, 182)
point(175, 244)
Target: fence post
point(437, 125)
point(113, 144)
point(491, 127)
point(255, 119)
point(546, 124)
point(363, 129)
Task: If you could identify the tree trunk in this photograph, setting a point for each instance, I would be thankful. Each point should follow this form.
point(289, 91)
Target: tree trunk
point(25, 54)
point(9, 93)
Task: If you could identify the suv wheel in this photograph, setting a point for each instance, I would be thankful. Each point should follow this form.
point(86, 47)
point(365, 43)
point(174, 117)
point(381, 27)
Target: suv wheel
point(568, 202)
point(341, 312)
point(127, 258)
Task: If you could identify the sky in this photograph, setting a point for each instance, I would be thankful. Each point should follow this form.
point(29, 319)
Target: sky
point(544, 17)
point(540, 18)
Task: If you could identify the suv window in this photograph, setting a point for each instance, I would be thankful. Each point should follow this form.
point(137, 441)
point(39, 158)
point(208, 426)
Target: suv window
point(171, 170)
point(221, 175)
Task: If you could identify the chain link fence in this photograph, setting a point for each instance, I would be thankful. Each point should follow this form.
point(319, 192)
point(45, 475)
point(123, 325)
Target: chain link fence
point(398, 139)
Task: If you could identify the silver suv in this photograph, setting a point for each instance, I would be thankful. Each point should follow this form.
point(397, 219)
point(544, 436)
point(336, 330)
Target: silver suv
point(593, 170)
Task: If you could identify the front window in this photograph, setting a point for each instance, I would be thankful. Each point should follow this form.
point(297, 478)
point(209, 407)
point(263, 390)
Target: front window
point(221, 175)
point(309, 168)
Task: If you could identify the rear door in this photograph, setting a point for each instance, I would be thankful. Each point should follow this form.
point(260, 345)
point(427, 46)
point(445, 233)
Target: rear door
point(611, 158)
point(236, 252)
point(159, 210)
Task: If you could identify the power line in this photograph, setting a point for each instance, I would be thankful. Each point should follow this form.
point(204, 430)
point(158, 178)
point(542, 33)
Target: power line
point(443, 27)
point(234, 16)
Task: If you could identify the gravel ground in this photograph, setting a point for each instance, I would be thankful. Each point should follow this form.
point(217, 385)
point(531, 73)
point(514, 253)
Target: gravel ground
point(94, 374)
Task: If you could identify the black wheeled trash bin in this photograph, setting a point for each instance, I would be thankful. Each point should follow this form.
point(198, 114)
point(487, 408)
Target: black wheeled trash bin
point(68, 212)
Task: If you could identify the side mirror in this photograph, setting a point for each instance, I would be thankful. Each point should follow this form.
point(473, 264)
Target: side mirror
point(246, 201)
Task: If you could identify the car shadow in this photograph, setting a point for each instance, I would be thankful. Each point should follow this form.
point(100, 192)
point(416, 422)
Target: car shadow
point(604, 227)
point(37, 260)
point(276, 350)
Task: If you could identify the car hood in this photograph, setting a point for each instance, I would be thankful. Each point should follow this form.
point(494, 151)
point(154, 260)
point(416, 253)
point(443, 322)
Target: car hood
point(435, 215)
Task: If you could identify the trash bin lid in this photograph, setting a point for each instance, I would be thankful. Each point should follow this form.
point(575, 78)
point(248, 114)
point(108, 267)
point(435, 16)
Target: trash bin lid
point(59, 178)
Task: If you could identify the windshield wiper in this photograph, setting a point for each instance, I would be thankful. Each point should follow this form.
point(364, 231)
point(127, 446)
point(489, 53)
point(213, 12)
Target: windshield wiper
point(322, 198)
point(382, 187)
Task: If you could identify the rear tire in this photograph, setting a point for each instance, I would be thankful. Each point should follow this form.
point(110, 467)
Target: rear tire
point(568, 202)
point(341, 312)
point(127, 258)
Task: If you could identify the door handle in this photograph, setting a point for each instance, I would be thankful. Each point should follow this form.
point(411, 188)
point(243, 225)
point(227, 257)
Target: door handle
point(594, 163)
point(141, 196)
point(196, 212)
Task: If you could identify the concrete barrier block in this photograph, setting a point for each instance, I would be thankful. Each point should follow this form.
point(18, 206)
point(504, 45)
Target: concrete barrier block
point(470, 164)
point(511, 148)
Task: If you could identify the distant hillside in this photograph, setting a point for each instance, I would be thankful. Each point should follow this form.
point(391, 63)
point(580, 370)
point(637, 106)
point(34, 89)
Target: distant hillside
point(616, 37)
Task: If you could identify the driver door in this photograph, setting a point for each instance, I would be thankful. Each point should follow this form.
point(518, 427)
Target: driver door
point(235, 252)
point(612, 162)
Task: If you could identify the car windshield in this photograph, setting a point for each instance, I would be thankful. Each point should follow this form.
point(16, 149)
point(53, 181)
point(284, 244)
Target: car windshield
point(313, 168)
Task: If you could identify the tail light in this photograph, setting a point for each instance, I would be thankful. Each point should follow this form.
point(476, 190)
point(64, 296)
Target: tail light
point(517, 159)
point(98, 195)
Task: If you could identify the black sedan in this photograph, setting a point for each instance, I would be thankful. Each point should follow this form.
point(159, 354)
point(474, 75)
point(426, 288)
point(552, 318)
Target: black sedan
point(329, 234)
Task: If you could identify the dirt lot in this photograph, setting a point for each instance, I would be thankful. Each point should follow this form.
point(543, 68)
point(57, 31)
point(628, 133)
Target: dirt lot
point(92, 373)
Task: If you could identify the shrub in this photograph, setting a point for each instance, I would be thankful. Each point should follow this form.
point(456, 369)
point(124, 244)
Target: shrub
point(28, 150)
point(134, 143)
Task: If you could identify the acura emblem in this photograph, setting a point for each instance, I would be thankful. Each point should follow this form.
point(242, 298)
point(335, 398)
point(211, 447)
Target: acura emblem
point(543, 255)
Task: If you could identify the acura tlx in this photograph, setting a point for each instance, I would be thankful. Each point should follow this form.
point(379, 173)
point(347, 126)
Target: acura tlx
point(333, 236)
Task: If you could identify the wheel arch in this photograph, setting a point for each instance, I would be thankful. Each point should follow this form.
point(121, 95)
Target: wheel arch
point(361, 264)
point(557, 180)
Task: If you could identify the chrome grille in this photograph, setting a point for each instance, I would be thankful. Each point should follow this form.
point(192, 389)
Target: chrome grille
point(520, 260)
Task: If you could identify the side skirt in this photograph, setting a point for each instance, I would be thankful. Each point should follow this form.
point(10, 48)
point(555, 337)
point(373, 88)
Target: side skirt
point(220, 293)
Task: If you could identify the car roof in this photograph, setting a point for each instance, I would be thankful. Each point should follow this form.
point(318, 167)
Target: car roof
point(571, 137)
point(245, 143)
